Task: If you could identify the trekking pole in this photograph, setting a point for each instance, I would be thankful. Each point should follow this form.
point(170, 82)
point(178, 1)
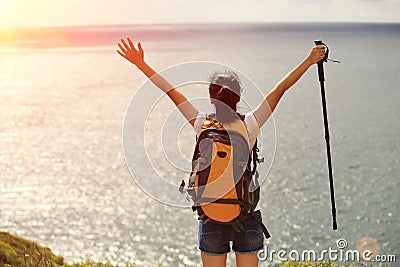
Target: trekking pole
point(321, 77)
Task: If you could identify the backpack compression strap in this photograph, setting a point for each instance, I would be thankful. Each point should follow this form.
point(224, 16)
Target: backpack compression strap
point(264, 229)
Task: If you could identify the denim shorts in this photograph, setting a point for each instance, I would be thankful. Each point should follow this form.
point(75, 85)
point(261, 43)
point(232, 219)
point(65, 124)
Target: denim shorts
point(214, 238)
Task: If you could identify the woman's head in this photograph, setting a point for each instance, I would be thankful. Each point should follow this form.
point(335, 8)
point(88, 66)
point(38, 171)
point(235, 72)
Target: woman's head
point(225, 91)
point(225, 87)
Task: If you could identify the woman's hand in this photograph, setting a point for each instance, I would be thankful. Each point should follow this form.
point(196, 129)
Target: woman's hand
point(133, 55)
point(317, 53)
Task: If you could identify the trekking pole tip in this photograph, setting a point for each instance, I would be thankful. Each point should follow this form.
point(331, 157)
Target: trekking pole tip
point(334, 226)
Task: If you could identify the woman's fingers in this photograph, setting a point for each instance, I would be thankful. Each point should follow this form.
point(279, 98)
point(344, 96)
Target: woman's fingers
point(122, 55)
point(321, 49)
point(122, 48)
point(125, 45)
point(319, 52)
point(130, 43)
point(140, 47)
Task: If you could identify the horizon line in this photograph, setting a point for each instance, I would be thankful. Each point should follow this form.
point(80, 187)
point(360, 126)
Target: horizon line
point(2, 28)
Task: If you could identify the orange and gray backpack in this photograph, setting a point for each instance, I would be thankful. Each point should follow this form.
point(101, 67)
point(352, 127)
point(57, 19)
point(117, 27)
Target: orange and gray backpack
point(223, 185)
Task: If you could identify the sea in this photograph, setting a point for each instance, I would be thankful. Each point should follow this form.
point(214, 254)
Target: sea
point(91, 152)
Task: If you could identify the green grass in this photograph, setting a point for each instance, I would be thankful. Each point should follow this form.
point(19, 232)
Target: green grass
point(17, 251)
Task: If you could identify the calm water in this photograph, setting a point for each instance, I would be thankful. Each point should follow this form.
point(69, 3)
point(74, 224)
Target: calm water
point(63, 177)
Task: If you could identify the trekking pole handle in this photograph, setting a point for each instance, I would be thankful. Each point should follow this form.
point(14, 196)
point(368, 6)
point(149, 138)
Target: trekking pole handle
point(320, 63)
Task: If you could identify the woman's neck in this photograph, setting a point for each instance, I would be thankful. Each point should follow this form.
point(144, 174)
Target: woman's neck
point(225, 114)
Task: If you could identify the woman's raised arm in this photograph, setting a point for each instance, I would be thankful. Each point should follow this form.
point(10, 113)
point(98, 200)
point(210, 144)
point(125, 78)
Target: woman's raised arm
point(267, 106)
point(136, 57)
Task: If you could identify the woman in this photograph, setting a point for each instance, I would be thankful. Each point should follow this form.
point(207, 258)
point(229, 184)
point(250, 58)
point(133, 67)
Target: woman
point(225, 92)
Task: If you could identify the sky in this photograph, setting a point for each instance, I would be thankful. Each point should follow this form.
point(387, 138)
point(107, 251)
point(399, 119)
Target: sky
point(36, 13)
